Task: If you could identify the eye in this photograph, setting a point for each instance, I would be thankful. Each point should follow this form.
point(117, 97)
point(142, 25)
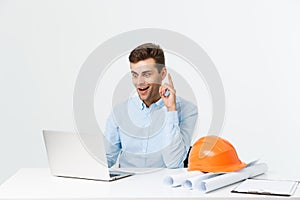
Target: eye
point(147, 75)
point(134, 75)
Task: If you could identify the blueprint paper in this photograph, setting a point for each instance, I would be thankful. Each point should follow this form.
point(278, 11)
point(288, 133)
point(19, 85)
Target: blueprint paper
point(179, 179)
point(195, 181)
point(206, 182)
point(217, 182)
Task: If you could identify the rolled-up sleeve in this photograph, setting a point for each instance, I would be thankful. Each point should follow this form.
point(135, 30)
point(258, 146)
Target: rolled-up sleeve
point(112, 141)
point(180, 126)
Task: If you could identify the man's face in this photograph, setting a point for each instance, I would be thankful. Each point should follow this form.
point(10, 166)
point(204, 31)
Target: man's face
point(147, 80)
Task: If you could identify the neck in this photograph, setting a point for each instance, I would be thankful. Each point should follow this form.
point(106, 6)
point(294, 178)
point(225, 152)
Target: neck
point(148, 103)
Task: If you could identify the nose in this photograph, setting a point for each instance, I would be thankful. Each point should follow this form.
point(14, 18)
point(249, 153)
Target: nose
point(140, 80)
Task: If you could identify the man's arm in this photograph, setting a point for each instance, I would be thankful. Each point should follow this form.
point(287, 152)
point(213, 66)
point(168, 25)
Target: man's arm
point(180, 127)
point(112, 141)
point(178, 132)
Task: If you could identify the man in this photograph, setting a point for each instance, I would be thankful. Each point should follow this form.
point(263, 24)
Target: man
point(153, 129)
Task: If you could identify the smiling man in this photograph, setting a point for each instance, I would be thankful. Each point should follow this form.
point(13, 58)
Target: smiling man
point(154, 128)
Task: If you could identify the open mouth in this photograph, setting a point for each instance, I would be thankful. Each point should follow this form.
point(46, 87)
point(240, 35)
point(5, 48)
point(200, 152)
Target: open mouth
point(143, 88)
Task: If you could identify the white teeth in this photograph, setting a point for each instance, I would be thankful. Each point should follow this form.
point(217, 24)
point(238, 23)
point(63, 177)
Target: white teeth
point(143, 88)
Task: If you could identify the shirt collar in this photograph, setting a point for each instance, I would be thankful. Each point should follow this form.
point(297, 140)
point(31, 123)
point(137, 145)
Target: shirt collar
point(143, 105)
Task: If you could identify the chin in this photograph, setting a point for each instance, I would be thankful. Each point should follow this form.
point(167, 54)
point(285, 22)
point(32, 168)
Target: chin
point(143, 98)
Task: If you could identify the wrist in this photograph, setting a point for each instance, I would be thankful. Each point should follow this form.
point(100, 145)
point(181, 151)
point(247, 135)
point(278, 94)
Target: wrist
point(172, 108)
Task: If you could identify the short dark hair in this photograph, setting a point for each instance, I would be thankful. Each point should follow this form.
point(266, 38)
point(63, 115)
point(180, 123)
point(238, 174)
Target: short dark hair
point(148, 50)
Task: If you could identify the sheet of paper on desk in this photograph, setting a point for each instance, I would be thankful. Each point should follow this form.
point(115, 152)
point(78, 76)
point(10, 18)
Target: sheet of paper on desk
point(267, 187)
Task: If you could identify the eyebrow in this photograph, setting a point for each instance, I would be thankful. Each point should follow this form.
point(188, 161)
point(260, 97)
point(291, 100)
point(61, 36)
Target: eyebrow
point(143, 72)
point(133, 72)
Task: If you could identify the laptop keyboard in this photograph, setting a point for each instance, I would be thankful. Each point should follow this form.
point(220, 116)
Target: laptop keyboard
point(113, 175)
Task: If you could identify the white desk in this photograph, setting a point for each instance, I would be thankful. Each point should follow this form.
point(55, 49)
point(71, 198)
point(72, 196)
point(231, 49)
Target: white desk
point(39, 184)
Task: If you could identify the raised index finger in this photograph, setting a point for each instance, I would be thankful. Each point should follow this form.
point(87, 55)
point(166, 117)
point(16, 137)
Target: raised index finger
point(170, 80)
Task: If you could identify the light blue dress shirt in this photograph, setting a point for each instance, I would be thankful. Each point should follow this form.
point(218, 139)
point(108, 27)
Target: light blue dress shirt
point(146, 137)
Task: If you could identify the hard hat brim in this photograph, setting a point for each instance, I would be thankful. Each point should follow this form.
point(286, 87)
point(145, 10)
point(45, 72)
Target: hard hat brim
point(215, 169)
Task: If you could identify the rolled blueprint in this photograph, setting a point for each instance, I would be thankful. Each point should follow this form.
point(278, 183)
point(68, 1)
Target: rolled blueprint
point(179, 179)
point(193, 182)
point(217, 182)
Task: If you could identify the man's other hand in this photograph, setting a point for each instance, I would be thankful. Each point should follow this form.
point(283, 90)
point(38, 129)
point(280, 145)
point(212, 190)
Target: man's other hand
point(168, 94)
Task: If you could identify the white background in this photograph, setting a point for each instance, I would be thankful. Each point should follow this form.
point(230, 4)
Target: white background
point(255, 46)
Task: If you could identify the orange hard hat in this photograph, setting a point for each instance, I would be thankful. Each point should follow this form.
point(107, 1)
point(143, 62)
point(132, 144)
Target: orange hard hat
point(214, 154)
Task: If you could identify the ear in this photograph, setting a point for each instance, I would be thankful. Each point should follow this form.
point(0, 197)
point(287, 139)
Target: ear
point(163, 73)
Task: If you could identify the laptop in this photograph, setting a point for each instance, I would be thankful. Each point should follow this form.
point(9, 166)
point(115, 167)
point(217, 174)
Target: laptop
point(68, 157)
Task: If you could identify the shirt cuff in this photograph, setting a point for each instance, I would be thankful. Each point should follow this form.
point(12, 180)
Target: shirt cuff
point(172, 117)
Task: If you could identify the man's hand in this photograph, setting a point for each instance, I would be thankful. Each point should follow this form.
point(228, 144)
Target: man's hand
point(168, 94)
